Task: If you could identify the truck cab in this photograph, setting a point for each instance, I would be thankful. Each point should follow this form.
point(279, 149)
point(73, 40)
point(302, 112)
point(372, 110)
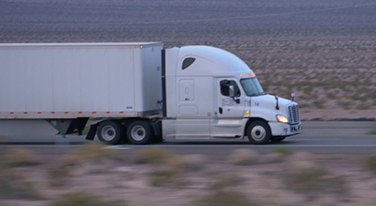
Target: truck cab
point(210, 93)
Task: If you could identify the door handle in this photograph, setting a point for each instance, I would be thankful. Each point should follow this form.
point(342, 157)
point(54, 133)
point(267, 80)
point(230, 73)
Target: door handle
point(220, 110)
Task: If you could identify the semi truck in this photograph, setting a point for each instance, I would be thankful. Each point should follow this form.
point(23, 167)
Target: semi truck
point(138, 92)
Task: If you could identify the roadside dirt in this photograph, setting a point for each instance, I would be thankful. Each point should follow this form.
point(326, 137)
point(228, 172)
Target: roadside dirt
point(244, 176)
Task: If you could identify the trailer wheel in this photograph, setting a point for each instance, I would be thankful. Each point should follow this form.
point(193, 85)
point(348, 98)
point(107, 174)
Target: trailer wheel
point(258, 132)
point(277, 139)
point(140, 132)
point(110, 132)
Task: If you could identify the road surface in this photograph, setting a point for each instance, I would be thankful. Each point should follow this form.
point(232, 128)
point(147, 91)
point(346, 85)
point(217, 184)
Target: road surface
point(318, 137)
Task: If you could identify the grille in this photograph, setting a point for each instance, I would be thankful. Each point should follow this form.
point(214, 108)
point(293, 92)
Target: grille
point(293, 114)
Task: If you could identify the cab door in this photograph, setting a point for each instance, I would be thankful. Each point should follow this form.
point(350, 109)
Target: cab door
point(228, 118)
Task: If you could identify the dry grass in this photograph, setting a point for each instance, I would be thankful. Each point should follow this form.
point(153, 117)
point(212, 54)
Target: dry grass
point(224, 198)
point(370, 163)
point(282, 150)
point(303, 176)
point(243, 157)
point(193, 162)
point(153, 155)
point(166, 178)
point(81, 198)
point(93, 151)
point(20, 157)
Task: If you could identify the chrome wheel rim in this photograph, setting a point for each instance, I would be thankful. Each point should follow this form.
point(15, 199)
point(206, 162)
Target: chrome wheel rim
point(108, 133)
point(138, 133)
point(258, 133)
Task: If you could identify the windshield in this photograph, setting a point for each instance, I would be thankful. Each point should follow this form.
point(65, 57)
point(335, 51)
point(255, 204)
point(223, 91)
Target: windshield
point(252, 87)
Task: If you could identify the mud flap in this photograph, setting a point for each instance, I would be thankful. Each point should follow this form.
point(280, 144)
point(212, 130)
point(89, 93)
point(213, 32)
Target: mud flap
point(92, 132)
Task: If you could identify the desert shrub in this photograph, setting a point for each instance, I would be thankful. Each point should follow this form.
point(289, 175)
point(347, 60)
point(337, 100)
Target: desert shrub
point(273, 158)
point(90, 151)
point(319, 104)
point(306, 177)
point(362, 106)
point(81, 198)
point(224, 198)
point(243, 157)
point(373, 132)
point(14, 186)
point(330, 95)
point(370, 201)
point(153, 155)
point(303, 180)
point(282, 150)
point(301, 106)
point(58, 176)
point(223, 181)
point(370, 163)
point(344, 105)
point(307, 89)
point(191, 162)
point(167, 177)
point(19, 157)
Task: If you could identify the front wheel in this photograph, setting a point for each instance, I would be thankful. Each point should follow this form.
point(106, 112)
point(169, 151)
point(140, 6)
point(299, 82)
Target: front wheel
point(140, 132)
point(258, 132)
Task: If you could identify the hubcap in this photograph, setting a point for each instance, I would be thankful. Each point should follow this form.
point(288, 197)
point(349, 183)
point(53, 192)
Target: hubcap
point(108, 133)
point(258, 133)
point(138, 133)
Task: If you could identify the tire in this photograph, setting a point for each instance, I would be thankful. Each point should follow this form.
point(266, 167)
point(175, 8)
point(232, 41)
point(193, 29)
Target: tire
point(110, 132)
point(140, 132)
point(277, 139)
point(258, 132)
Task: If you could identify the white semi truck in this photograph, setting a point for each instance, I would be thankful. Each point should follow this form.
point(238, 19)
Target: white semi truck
point(138, 93)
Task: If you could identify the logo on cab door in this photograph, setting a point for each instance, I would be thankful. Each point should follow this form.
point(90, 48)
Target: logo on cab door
point(228, 102)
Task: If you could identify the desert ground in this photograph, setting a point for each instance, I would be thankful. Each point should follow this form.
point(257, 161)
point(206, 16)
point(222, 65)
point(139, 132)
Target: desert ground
point(97, 175)
point(323, 51)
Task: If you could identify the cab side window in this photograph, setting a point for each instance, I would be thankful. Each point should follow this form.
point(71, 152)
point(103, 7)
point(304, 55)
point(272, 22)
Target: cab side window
point(225, 88)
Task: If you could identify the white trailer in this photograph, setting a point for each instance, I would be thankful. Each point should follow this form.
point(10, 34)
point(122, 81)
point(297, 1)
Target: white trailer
point(139, 92)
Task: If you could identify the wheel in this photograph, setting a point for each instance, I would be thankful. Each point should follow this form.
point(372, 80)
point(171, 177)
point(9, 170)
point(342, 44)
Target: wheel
point(110, 132)
point(277, 139)
point(140, 132)
point(258, 132)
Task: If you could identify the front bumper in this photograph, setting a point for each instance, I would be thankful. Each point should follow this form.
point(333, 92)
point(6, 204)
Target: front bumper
point(283, 129)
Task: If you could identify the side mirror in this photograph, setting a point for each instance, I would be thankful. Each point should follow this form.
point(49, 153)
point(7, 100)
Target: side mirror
point(231, 91)
point(232, 94)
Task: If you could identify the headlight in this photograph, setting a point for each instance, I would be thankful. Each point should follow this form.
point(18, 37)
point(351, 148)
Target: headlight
point(281, 118)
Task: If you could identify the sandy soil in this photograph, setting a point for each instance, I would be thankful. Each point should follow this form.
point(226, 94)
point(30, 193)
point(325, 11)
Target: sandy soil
point(322, 51)
point(257, 179)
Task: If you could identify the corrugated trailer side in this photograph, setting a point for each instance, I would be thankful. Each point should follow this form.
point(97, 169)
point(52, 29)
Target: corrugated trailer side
point(79, 80)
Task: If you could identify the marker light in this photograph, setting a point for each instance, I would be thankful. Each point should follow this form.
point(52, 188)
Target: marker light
point(141, 47)
point(241, 75)
point(281, 118)
point(247, 112)
point(249, 74)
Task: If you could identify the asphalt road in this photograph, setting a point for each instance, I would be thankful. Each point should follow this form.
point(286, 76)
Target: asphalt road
point(318, 137)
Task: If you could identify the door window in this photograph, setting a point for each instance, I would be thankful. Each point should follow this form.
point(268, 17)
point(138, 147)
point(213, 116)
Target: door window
point(225, 88)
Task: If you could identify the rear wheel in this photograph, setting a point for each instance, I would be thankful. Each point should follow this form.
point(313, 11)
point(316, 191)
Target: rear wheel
point(110, 132)
point(140, 132)
point(258, 132)
point(277, 139)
